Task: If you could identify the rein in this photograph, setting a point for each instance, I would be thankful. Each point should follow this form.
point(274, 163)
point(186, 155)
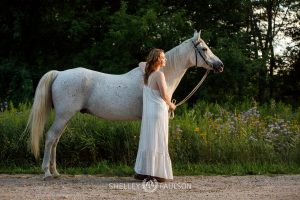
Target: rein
point(196, 87)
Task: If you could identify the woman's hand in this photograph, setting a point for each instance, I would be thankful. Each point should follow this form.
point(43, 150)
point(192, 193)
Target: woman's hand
point(172, 106)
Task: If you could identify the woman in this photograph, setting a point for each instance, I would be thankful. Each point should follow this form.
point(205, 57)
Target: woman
point(153, 160)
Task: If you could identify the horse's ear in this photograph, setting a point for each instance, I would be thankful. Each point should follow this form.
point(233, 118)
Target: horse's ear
point(199, 35)
point(195, 34)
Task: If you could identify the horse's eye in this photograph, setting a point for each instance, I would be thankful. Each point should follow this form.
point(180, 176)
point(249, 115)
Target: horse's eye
point(204, 49)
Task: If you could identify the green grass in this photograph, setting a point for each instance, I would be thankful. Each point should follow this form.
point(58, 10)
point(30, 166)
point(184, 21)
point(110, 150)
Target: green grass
point(236, 169)
point(106, 169)
point(256, 138)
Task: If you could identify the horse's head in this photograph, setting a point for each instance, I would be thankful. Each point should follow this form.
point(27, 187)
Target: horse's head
point(203, 56)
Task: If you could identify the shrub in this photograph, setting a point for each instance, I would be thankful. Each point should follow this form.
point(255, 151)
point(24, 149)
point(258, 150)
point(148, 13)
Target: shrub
point(206, 133)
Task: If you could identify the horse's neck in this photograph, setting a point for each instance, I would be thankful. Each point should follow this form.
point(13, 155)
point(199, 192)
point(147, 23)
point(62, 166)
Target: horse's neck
point(176, 67)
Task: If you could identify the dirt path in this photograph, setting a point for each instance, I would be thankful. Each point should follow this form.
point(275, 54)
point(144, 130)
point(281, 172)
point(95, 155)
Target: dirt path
point(25, 186)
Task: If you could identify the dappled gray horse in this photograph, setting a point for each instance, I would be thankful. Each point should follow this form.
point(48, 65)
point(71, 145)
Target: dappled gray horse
point(113, 97)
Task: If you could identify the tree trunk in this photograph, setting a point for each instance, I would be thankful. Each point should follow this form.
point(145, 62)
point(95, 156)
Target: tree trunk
point(269, 45)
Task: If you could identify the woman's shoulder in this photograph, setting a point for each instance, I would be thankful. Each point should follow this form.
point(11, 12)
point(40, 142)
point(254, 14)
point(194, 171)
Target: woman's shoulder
point(158, 76)
point(158, 73)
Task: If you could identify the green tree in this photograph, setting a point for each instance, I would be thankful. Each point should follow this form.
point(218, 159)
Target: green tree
point(113, 36)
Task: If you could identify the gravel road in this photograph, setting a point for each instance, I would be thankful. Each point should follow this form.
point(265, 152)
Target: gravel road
point(27, 186)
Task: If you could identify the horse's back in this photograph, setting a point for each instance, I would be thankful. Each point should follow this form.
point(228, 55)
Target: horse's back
point(117, 97)
point(105, 95)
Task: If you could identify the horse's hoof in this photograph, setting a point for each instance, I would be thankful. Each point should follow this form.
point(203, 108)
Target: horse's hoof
point(48, 178)
point(56, 176)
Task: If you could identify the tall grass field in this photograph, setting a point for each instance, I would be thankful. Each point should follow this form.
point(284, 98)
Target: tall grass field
point(233, 138)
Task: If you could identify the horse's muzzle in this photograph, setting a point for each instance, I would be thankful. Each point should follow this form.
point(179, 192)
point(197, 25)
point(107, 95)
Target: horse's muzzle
point(218, 67)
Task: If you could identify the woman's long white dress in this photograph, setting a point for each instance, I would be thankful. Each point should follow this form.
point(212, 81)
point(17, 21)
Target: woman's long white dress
point(153, 156)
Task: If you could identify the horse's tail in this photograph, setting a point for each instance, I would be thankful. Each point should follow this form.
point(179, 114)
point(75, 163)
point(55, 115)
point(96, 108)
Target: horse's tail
point(40, 110)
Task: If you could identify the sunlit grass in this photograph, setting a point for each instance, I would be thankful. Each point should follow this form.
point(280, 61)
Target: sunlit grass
point(117, 169)
point(209, 138)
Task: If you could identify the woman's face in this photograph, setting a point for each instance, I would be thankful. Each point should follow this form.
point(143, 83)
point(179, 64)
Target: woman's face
point(162, 60)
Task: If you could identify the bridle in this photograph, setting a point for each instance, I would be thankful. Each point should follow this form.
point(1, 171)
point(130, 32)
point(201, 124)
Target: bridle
point(197, 50)
point(198, 85)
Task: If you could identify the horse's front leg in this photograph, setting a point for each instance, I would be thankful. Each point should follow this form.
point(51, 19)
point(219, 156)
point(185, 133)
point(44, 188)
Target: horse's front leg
point(52, 138)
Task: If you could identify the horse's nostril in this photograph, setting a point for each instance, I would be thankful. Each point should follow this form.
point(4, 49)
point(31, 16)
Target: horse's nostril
point(221, 67)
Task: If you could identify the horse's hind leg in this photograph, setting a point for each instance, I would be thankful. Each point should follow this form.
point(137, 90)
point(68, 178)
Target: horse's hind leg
point(53, 169)
point(51, 141)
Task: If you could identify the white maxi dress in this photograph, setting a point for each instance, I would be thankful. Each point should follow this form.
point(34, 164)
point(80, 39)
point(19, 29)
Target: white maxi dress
point(153, 155)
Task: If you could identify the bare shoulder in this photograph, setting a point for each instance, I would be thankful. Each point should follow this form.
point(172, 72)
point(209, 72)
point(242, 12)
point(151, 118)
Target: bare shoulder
point(159, 74)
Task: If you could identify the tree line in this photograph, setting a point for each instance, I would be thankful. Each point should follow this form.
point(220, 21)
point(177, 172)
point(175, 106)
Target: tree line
point(114, 36)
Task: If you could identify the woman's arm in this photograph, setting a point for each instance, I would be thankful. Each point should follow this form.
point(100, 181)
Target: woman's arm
point(162, 85)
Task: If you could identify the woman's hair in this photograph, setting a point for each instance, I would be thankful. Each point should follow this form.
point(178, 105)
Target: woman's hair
point(151, 65)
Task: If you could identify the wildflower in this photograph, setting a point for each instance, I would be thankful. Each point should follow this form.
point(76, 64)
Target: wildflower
point(273, 104)
point(252, 139)
point(219, 119)
point(197, 130)
point(178, 129)
point(203, 136)
point(178, 132)
point(251, 113)
point(279, 134)
point(208, 114)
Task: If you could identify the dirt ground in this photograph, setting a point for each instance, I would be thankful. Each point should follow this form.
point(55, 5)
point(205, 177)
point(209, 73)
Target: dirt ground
point(25, 186)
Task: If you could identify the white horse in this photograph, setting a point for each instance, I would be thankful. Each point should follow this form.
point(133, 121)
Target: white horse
point(113, 97)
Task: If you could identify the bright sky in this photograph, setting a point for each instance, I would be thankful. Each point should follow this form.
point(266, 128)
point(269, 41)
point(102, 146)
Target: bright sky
point(281, 43)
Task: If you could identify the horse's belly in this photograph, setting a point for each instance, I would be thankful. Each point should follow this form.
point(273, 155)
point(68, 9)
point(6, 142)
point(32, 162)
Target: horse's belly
point(118, 108)
point(117, 101)
point(117, 114)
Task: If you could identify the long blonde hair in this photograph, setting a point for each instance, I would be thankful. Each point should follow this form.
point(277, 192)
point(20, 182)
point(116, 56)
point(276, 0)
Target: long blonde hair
point(151, 65)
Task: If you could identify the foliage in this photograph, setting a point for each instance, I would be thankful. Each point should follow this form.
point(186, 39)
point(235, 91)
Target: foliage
point(105, 168)
point(113, 36)
point(208, 133)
